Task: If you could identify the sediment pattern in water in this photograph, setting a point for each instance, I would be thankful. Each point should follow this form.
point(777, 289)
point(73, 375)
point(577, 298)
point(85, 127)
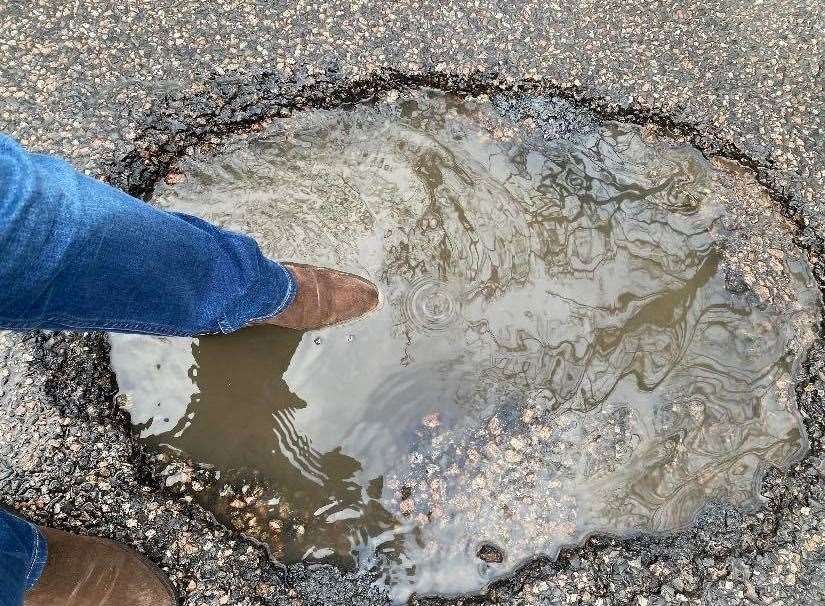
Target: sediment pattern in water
point(557, 352)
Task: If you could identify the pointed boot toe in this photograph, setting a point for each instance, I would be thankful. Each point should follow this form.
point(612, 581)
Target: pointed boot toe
point(326, 297)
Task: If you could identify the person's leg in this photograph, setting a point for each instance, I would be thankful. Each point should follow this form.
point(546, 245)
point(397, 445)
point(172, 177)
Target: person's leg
point(22, 557)
point(79, 254)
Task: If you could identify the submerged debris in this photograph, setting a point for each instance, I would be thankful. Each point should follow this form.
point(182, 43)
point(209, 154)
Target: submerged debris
point(491, 554)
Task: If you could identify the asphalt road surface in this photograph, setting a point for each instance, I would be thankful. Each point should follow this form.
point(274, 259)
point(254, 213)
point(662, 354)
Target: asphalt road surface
point(122, 88)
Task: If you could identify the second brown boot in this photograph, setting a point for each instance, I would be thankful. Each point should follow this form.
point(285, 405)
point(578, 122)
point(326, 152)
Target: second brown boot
point(89, 571)
point(325, 297)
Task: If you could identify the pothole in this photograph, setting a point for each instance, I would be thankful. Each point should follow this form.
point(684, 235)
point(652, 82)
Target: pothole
point(579, 333)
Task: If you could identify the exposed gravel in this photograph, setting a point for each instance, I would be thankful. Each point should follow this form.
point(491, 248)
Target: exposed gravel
point(123, 90)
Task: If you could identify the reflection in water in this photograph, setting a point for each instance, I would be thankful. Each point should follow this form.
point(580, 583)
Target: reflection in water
point(557, 353)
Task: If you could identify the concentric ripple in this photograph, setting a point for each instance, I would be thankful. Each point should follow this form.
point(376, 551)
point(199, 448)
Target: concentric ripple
point(429, 305)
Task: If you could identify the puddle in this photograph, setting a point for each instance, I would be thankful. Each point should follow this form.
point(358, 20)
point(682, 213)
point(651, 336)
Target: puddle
point(558, 352)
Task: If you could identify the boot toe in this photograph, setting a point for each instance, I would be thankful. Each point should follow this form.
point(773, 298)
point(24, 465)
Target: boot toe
point(326, 297)
point(359, 297)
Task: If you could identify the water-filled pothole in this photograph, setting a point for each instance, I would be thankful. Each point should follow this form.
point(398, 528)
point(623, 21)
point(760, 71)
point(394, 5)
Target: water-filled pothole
point(557, 354)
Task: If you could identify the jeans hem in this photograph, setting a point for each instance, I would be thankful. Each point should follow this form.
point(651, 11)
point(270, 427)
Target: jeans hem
point(230, 324)
point(40, 554)
point(74, 324)
point(291, 293)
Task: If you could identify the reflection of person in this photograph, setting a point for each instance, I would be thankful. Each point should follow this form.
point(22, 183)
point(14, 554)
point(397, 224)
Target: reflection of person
point(80, 255)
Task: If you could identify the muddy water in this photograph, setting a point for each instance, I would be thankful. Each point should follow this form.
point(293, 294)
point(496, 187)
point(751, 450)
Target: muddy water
point(557, 352)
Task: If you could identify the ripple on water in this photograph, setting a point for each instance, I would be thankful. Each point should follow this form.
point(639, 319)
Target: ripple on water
point(429, 304)
point(557, 354)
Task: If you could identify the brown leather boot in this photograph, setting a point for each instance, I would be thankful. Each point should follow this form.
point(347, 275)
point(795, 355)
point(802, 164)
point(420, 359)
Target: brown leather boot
point(89, 571)
point(325, 297)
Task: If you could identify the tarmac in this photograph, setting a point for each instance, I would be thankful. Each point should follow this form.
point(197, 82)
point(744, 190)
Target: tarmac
point(123, 91)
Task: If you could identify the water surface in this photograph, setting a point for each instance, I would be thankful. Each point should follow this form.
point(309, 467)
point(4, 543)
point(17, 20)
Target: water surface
point(557, 352)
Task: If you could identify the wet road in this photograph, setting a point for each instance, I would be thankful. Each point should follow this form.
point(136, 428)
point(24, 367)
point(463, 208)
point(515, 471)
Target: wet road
point(85, 80)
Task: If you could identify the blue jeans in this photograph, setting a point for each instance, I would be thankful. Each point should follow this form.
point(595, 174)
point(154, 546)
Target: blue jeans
point(22, 558)
point(77, 254)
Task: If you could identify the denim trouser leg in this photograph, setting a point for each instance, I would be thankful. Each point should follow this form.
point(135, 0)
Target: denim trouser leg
point(22, 558)
point(78, 254)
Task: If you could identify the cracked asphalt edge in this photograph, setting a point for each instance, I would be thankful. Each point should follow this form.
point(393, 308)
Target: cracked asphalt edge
point(773, 554)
